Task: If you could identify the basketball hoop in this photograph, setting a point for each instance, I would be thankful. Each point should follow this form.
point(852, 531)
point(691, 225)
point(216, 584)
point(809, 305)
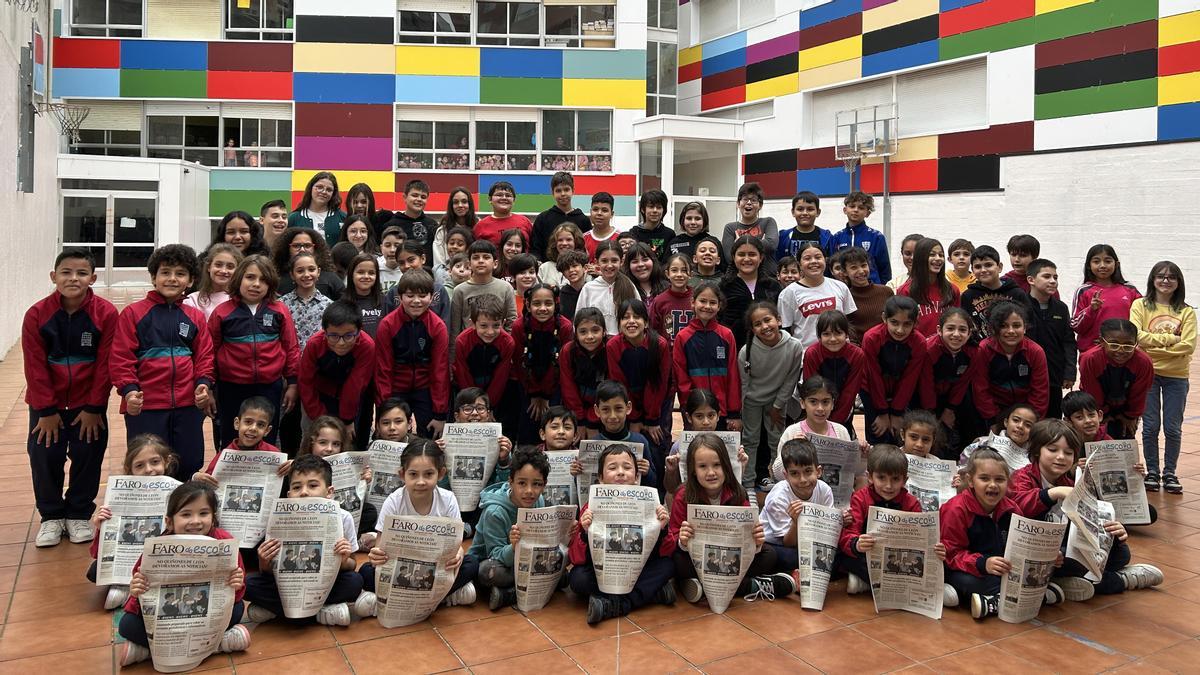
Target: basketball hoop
point(70, 117)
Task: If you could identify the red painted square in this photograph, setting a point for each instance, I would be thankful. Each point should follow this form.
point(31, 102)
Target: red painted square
point(86, 53)
point(776, 185)
point(269, 86)
point(720, 99)
point(916, 176)
point(985, 14)
point(618, 185)
point(998, 139)
point(1179, 59)
point(691, 71)
point(816, 158)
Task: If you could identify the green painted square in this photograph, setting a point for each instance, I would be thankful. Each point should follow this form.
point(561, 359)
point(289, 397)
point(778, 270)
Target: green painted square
point(1107, 98)
point(1093, 17)
point(520, 90)
point(526, 203)
point(991, 39)
point(221, 202)
point(164, 83)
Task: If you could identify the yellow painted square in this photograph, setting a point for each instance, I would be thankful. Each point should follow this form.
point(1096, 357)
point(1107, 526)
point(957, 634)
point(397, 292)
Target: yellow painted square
point(380, 181)
point(324, 57)
point(1184, 88)
point(834, 73)
point(898, 12)
point(911, 149)
point(439, 60)
point(1178, 29)
point(776, 86)
point(834, 52)
point(690, 55)
point(622, 94)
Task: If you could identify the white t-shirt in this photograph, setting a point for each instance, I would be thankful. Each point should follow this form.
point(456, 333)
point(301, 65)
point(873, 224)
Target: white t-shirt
point(774, 517)
point(348, 530)
point(800, 306)
point(388, 277)
point(398, 504)
point(598, 293)
point(800, 430)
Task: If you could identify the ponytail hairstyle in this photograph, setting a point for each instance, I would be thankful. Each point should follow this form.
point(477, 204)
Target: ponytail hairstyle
point(952, 311)
point(693, 493)
point(754, 307)
point(982, 454)
point(160, 447)
point(539, 358)
point(698, 398)
point(746, 240)
point(623, 287)
point(589, 367)
point(638, 308)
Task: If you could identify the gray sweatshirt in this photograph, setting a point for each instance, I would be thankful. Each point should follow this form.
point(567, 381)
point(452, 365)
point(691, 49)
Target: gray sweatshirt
point(774, 371)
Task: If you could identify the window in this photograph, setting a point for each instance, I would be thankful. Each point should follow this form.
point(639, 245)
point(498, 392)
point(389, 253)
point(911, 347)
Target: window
point(259, 20)
point(509, 23)
point(443, 28)
point(576, 140)
point(106, 18)
point(593, 23)
point(661, 75)
point(191, 137)
point(662, 14)
point(426, 145)
point(505, 146)
point(722, 17)
point(110, 142)
point(257, 142)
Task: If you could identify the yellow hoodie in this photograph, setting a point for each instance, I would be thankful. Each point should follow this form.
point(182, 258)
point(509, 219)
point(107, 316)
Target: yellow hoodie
point(1167, 336)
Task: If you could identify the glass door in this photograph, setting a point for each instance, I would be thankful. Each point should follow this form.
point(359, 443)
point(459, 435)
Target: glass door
point(120, 228)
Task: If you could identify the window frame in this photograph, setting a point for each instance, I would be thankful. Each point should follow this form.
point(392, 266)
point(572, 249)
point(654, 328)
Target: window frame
point(256, 34)
point(475, 37)
point(655, 98)
point(110, 30)
point(435, 36)
point(433, 151)
point(108, 145)
point(736, 27)
point(242, 150)
point(657, 23)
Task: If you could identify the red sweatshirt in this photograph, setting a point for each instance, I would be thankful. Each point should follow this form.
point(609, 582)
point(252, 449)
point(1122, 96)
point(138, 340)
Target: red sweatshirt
point(894, 369)
point(860, 506)
point(630, 366)
point(1000, 380)
point(482, 364)
point(670, 311)
point(579, 391)
point(66, 355)
point(950, 375)
point(705, 357)
point(332, 384)
point(929, 313)
point(262, 446)
point(538, 345)
point(1119, 390)
point(163, 350)
point(972, 536)
point(1026, 491)
point(670, 542)
point(846, 368)
point(413, 354)
point(256, 348)
point(132, 606)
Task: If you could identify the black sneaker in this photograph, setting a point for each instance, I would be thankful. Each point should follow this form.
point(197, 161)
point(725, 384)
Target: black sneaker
point(502, 597)
point(1151, 481)
point(601, 607)
point(983, 606)
point(1171, 484)
point(666, 594)
point(468, 531)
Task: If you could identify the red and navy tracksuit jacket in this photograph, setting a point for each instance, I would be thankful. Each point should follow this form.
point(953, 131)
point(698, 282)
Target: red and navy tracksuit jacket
point(1026, 491)
point(860, 505)
point(972, 536)
point(894, 369)
point(254, 348)
point(845, 368)
point(537, 347)
point(579, 389)
point(163, 350)
point(630, 366)
point(410, 355)
point(1119, 390)
point(705, 358)
point(262, 446)
point(483, 364)
point(332, 384)
point(950, 375)
point(66, 355)
point(1001, 380)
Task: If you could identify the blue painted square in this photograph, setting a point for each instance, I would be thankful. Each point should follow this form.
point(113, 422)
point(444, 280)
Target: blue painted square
point(829, 12)
point(722, 63)
point(547, 63)
point(897, 59)
point(524, 184)
point(1178, 122)
point(343, 88)
point(87, 82)
point(825, 182)
point(437, 89)
point(720, 46)
point(164, 55)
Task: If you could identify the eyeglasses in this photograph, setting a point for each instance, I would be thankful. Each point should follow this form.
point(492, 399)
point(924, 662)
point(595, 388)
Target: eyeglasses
point(478, 408)
point(1166, 277)
point(348, 337)
point(1118, 347)
point(749, 200)
point(301, 247)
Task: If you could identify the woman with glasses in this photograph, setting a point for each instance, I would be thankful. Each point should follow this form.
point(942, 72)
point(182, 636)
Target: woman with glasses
point(319, 207)
point(297, 240)
point(766, 230)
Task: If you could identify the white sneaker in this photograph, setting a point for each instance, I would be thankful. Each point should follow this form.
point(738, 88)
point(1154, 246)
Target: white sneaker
point(50, 533)
point(334, 615)
point(855, 585)
point(131, 654)
point(1054, 594)
point(80, 531)
point(117, 595)
point(949, 596)
point(257, 614)
point(463, 596)
point(1076, 589)
point(1140, 575)
point(692, 590)
point(236, 639)
point(364, 606)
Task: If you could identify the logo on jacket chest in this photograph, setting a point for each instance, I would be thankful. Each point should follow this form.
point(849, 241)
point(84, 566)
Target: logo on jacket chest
point(1022, 370)
point(185, 330)
point(720, 352)
point(85, 339)
point(268, 320)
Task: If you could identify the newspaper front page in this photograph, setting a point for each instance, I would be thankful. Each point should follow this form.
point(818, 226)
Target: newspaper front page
point(1087, 540)
point(349, 489)
point(384, 459)
point(1014, 456)
point(306, 566)
point(817, 531)
point(589, 458)
point(905, 570)
point(839, 465)
point(472, 450)
point(139, 507)
point(722, 549)
point(560, 484)
point(930, 480)
point(414, 580)
point(541, 555)
point(623, 533)
point(1032, 549)
point(1111, 464)
point(249, 485)
point(732, 441)
point(189, 603)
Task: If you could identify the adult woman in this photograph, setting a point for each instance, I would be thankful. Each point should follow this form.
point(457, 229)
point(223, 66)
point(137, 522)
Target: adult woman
point(303, 240)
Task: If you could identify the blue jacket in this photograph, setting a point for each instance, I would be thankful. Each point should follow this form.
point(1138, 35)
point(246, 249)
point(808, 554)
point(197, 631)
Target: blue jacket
point(870, 240)
point(788, 247)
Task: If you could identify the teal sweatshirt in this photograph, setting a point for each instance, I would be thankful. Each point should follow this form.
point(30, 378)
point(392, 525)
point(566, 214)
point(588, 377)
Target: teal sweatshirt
point(499, 514)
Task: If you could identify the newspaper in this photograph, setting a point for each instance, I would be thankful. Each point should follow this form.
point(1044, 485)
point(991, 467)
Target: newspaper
point(817, 531)
point(1032, 549)
point(623, 533)
point(1111, 464)
point(721, 549)
point(589, 458)
point(560, 484)
point(839, 465)
point(349, 489)
point(384, 459)
point(306, 566)
point(1014, 456)
point(138, 505)
point(190, 594)
point(732, 440)
point(930, 480)
point(1088, 541)
point(472, 451)
point(541, 555)
point(904, 568)
point(249, 485)
point(414, 580)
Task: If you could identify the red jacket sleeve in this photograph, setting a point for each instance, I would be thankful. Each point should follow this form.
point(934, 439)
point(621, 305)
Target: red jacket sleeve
point(360, 376)
point(843, 407)
point(439, 375)
point(215, 332)
point(462, 347)
point(291, 345)
point(122, 363)
point(1091, 363)
point(683, 382)
point(955, 520)
point(978, 371)
point(507, 348)
point(106, 320)
point(577, 550)
point(813, 358)
point(860, 502)
point(912, 375)
point(733, 383)
point(202, 350)
point(1039, 379)
point(670, 539)
point(307, 376)
point(385, 364)
point(39, 391)
point(958, 393)
point(656, 392)
point(1026, 490)
point(612, 351)
point(567, 385)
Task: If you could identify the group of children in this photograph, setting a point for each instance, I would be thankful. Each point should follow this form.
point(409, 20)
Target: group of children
point(595, 333)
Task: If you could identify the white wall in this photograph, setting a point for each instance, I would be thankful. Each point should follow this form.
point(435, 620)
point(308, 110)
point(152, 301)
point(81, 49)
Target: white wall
point(29, 230)
point(1142, 200)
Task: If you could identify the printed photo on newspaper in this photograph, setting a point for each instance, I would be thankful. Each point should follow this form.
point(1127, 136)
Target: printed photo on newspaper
point(349, 486)
point(840, 462)
point(623, 533)
point(414, 580)
point(589, 459)
point(1111, 464)
point(1032, 550)
point(249, 485)
point(817, 531)
point(732, 441)
point(721, 549)
point(472, 450)
point(560, 484)
point(384, 459)
point(904, 567)
point(541, 555)
point(138, 505)
point(1088, 541)
point(306, 567)
point(931, 480)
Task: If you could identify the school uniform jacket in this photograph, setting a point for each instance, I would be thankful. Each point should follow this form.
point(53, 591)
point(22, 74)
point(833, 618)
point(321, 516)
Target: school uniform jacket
point(1118, 390)
point(254, 348)
point(670, 543)
point(579, 394)
point(66, 355)
point(894, 369)
point(481, 364)
point(163, 350)
point(860, 505)
point(630, 366)
point(1001, 380)
point(972, 536)
point(949, 376)
point(132, 606)
point(262, 446)
point(847, 369)
point(412, 354)
point(332, 384)
point(705, 358)
point(1026, 491)
point(536, 350)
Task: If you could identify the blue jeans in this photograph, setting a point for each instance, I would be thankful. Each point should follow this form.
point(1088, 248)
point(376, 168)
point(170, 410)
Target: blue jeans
point(1164, 404)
